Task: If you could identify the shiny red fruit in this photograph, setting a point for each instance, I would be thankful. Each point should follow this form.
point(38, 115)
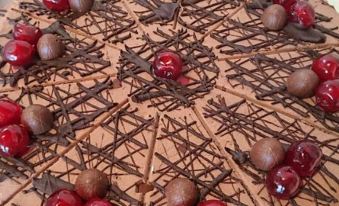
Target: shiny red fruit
point(57, 5)
point(167, 65)
point(98, 202)
point(303, 14)
point(18, 53)
point(283, 182)
point(327, 95)
point(64, 197)
point(26, 32)
point(14, 140)
point(212, 203)
point(10, 113)
point(287, 4)
point(326, 67)
point(304, 157)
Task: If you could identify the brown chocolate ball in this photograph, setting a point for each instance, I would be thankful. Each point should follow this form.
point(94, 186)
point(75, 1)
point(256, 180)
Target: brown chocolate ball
point(267, 153)
point(37, 118)
point(181, 192)
point(302, 83)
point(92, 183)
point(50, 47)
point(81, 6)
point(274, 17)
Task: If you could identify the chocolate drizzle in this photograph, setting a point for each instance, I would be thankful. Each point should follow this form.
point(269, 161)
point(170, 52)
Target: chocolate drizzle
point(106, 21)
point(83, 58)
point(135, 70)
point(266, 76)
point(244, 36)
point(2, 12)
point(200, 161)
point(196, 14)
point(255, 123)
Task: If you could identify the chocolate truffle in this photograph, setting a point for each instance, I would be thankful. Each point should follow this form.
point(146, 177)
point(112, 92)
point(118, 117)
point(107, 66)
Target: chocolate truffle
point(92, 183)
point(50, 47)
point(37, 118)
point(181, 192)
point(267, 153)
point(302, 83)
point(81, 6)
point(274, 17)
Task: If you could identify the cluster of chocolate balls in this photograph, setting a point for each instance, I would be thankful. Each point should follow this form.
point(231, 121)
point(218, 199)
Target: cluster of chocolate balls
point(298, 12)
point(183, 192)
point(286, 166)
point(91, 187)
point(16, 125)
point(20, 52)
point(321, 81)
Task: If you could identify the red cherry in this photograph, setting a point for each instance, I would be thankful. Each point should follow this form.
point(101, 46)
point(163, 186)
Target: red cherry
point(10, 113)
point(18, 53)
point(57, 5)
point(168, 65)
point(283, 182)
point(14, 140)
point(98, 202)
point(64, 197)
point(26, 32)
point(303, 14)
point(327, 95)
point(212, 203)
point(326, 67)
point(287, 4)
point(304, 157)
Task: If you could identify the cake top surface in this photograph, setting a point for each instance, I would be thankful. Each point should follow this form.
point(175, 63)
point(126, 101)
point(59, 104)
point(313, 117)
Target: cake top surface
point(113, 114)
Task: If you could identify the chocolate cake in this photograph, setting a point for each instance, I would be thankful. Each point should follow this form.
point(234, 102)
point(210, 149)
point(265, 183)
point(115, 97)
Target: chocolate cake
point(112, 113)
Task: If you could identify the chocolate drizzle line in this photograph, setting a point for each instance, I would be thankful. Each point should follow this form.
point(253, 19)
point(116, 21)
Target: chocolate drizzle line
point(196, 15)
point(62, 154)
point(258, 123)
point(188, 152)
point(83, 58)
point(126, 129)
point(2, 12)
point(135, 70)
point(106, 21)
point(73, 111)
point(266, 76)
point(236, 36)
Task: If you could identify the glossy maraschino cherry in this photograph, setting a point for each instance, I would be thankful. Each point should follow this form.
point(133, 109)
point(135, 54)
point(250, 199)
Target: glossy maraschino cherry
point(64, 197)
point(326, 67)
point(302, 13)
point(98, 202)
point(287, 4)
point(304, 157)
point(57, 5)
point(10, 112)
point(167, 65)
point(212, 203)
point(18, 53)
point(14, 140)
point(327, 95)
point(283, 182)
point(26, 32)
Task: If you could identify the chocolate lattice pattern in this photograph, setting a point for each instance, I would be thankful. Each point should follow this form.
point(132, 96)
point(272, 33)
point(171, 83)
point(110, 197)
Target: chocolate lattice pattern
point(243, 124)
point(74, 106)
point(184, 150)
point(200, 69)
point(107, 20)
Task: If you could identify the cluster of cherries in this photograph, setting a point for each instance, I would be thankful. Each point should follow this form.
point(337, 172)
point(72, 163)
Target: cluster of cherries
point(285, 169)
point(322, 81)
point(91, 186)
point(78, 6)
point(298, 11)
point(14, 137)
